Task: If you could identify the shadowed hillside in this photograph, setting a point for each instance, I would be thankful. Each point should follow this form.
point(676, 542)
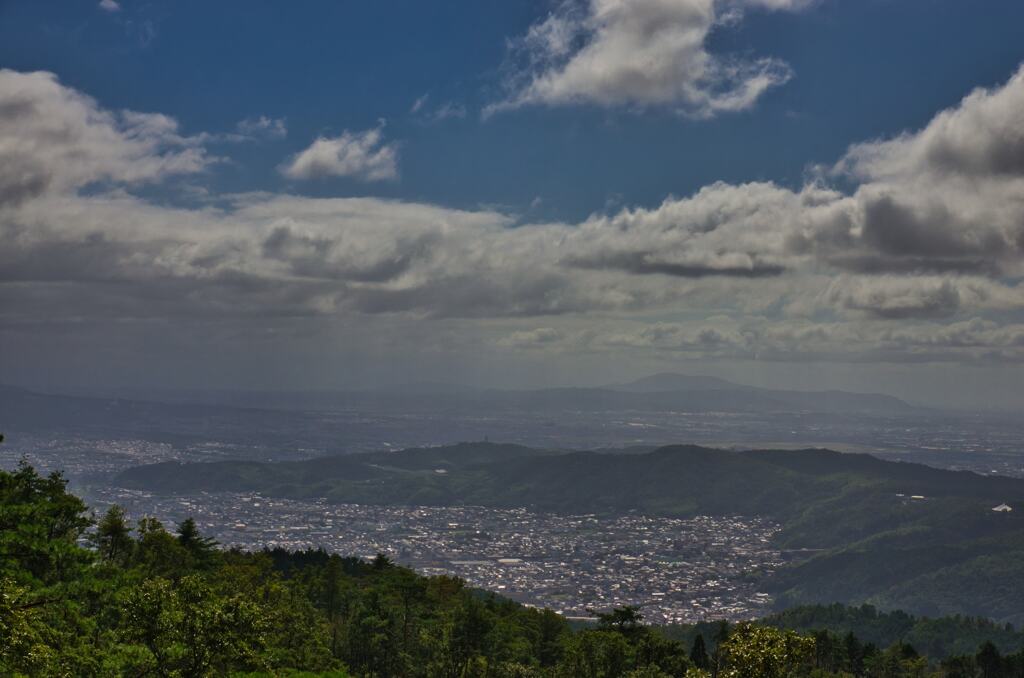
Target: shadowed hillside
point(891, 533)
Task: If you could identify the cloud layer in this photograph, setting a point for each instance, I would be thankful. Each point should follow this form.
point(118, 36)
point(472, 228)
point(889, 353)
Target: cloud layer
point(920, 258)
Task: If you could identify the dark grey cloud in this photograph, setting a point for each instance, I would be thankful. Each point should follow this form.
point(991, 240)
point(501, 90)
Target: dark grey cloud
point(940, 301)
point(647, 263)
point(316, 256)
point(478, 296)
point(21, 181)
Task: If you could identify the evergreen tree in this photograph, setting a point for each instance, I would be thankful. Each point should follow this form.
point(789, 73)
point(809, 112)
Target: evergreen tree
point(202, 549)
point(113, 536)
point(989, 661)
point(699, 653)
point(721, 636)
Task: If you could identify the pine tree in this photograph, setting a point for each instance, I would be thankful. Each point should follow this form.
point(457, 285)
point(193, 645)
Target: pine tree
point(989, 661)
point(699, 653)
point(203, 549)
point(720, 638)
point(113, 536)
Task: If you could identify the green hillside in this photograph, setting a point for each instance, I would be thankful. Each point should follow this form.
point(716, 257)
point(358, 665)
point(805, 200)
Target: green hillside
point(874, 542)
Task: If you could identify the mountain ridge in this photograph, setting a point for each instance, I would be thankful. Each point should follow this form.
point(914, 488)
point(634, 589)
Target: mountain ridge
point(894, 534)
point(664, 392)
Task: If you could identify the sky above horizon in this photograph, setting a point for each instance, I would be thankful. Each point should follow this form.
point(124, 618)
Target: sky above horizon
point(792, 193)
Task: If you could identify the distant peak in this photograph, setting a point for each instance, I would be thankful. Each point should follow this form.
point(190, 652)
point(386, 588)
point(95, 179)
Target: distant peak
point(673, 381)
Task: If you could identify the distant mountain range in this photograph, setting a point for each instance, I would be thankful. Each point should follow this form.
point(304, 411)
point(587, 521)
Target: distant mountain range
point(895, 534)
point(673, 381)
point(657, 393)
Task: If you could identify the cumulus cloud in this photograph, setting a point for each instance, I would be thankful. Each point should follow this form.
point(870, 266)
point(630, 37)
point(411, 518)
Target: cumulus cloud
point(53, 138)
point(722, 230)
point(949, 196)
point(981, 137)
point(773, 272)
point(890, 296)
point(361, 155)
point(110, 6)
point(948, 199)
point(972, 341)
point(263, 127)
point(639, 53)
point(444, 111)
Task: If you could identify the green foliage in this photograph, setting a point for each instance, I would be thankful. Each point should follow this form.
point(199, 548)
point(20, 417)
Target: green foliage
point(40, 524)
point(113, 536)
point(753, 651)
point(203, 550)
point(161, 604)
point(699, 654)
point(936, 637)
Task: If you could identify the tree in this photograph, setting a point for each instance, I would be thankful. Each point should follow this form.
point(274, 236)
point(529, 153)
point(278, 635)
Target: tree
point(594, 654)
point(202, 549)
point(854, 651)
point(625, 620)
point(158, 553)
point(721, 637)
point(989, 661)
point(113, 536)
point(23, 649)
point(552, 628)
point(40, 524)
point(900, 660)
point(699, 654)
point(763, 652)
point(188, 630)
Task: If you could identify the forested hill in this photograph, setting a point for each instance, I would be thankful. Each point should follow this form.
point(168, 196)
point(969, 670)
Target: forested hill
point(678, 480)
point(945, 553)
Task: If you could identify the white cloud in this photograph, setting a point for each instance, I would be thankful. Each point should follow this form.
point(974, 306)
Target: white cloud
point(110, 5)
point(419, 103)
point(263, 127)
point(639, 53)
point(444, 111)
point(448, 109)
point(362, 155)
point(55, 138)
point(760, 270)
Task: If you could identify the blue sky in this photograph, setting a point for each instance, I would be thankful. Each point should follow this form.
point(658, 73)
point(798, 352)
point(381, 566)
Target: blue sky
point(788, 192)
point(861, 70)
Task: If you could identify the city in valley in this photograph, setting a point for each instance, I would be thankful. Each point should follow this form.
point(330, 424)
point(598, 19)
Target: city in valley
point(673, 570)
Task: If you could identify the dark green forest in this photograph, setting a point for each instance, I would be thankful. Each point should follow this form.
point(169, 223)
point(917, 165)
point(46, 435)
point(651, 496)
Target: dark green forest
point(88, 596)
